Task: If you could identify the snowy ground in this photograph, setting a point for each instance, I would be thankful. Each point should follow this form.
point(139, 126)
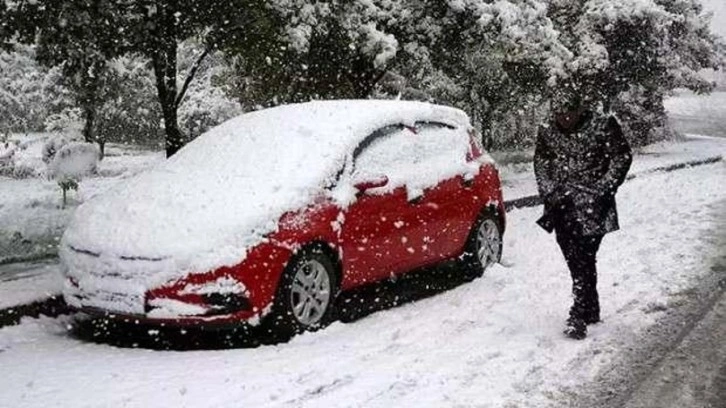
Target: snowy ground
point(493, 342)
point(702, 387)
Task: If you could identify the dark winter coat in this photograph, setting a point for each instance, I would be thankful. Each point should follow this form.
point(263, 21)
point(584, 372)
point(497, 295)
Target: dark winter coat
point(578, 172)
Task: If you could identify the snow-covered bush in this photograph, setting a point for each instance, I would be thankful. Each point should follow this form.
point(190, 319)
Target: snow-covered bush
point(55, 142)
point(643, 116)
point(205, 108)
point(64, 127)
point(58, 96)
point(23, 102)
point(20, 156)
point(73, 162)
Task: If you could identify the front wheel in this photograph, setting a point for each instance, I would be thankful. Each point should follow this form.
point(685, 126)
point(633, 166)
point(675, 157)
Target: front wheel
point(483, 247)
point(305, 295)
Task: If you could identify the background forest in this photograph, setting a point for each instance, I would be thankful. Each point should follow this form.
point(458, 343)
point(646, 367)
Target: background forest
point(161, 72)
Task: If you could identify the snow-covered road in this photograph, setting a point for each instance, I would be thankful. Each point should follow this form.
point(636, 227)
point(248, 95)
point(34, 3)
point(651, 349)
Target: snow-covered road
point(492, 342)
point(694, 373)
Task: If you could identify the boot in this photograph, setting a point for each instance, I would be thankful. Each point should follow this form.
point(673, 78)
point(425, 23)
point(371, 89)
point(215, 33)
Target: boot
point(575, 328)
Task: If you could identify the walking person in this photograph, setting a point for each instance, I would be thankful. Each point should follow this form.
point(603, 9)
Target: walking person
point(580, 160)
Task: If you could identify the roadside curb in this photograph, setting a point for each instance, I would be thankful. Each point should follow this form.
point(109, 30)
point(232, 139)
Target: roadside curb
point(535, 200)
point(32, 258)
point(55, 305)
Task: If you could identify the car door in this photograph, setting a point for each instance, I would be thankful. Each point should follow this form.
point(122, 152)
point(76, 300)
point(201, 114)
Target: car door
point(375, 235)
point(448, 203)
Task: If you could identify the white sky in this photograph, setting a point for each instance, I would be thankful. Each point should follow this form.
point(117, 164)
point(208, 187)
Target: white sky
point(719, 18)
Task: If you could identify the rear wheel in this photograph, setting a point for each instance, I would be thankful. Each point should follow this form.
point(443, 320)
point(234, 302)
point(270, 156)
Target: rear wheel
point(484, 245)
point(305, 295)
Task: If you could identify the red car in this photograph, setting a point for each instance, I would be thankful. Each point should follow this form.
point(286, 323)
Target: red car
point(269, 216)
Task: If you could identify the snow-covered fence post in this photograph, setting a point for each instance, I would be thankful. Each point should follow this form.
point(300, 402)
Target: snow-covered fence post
point(71, 163)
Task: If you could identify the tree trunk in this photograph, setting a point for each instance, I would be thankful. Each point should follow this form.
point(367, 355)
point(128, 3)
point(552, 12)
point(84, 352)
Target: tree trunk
point(174, 136)
point(89, 128)
point(89, 114)
point(163, 58)
point(90, 95)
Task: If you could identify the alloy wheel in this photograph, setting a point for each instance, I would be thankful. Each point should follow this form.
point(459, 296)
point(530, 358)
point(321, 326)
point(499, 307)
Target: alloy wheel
point(310, 293)
point(488, 243)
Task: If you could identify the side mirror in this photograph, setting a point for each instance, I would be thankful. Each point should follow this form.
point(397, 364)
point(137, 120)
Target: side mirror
point(364, 186)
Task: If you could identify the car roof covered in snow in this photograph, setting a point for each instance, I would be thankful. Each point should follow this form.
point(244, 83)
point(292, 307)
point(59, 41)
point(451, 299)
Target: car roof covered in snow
point(223, 192)
point(320, 124)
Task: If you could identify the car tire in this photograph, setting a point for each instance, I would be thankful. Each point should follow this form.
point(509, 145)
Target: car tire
point(305, 296)
point(483, 246)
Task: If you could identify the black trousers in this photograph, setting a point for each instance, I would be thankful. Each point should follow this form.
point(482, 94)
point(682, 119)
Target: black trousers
point(581, 255)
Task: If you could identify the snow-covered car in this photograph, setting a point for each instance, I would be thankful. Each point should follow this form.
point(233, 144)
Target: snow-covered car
point(270, 215)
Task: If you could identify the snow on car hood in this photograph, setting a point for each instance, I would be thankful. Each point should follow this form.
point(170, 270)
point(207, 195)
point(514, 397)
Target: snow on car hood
point(222, 193)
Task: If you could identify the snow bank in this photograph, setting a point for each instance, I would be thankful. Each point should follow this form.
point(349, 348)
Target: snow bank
point(225, 191)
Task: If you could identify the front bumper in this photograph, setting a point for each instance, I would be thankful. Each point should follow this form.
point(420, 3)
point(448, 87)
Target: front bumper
point(217, 322)
point(115, 289)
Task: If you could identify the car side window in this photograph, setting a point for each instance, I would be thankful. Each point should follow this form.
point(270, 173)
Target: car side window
point(417, 158)
point(438, 146)
point(439, 153)
point(383, 154)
